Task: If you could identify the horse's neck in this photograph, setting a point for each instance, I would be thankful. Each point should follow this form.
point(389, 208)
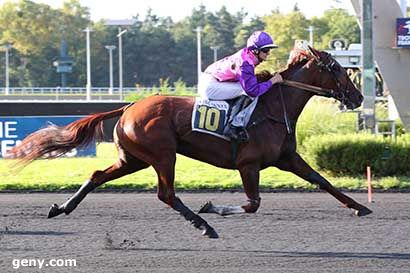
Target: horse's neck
point(294, 99)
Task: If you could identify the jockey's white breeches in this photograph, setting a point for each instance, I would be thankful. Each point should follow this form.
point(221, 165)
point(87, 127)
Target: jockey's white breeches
point(212, 89)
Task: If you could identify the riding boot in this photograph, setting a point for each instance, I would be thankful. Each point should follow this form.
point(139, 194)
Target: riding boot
point(234, 132)
point(236, 108)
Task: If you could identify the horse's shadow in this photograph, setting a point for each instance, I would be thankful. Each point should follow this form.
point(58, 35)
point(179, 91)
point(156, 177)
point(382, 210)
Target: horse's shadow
point(285, 254)
point(36, 233)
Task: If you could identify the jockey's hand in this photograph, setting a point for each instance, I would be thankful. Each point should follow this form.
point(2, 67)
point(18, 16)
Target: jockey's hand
point(277, 78)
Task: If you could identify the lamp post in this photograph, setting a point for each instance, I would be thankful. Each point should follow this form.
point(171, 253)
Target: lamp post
point(403, 6)
point(88, 86)
point(110, 49)
point(119, 23)
point(198, 45)
point(215, 49)
point(368, 86)
point(7, 48)
point(119, 35)
point(310, 29)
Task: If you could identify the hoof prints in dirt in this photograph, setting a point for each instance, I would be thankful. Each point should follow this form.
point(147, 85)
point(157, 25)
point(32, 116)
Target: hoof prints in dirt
point(7, 229)
point(124, 245)
point(108, 241)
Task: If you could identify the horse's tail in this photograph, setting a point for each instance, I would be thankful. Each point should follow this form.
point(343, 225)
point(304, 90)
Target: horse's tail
point(54, 141)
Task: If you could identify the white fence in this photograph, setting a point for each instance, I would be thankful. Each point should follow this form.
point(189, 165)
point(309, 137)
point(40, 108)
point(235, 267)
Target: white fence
point(80, 93)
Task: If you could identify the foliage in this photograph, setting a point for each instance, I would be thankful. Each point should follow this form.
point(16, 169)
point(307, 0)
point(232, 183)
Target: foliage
point(285, 29)
point(335, 24)
point(180, 86)
point(322, 116)
point(35, 32)
point(349, 154)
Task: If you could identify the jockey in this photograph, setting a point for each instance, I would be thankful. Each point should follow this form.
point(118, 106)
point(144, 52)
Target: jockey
point(234, 76)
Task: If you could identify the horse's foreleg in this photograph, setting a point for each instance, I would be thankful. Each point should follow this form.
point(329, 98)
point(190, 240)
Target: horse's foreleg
point(166, 194)
point(98, 178)
point(298, 166)
point(250, 180)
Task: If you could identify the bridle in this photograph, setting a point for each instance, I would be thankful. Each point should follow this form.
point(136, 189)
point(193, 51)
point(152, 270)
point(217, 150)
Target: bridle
point(327, 65)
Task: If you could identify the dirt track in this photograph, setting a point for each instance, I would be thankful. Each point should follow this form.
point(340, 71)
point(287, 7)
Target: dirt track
point(134, 232)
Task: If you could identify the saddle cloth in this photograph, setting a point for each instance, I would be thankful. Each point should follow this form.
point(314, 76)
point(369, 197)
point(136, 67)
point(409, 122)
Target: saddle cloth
point(212, 116)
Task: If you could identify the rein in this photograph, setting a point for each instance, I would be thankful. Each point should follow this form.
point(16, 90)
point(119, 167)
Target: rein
point(285, 114)
point(311, 88)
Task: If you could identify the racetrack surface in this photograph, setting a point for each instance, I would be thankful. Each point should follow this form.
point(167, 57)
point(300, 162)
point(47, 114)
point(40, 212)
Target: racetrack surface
point(135, 232)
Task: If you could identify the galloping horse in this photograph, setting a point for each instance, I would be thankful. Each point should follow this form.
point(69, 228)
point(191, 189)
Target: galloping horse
point(152, 131)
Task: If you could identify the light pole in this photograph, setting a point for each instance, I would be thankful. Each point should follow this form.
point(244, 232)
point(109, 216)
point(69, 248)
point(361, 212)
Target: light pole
point(215, 49)
point(119, 35)
point(368, 85)
point(119, 23)
point(310, 29)
point(403, 5)
point(88, 96)
point(7, 48)
point(198, 45)
point(110, 49)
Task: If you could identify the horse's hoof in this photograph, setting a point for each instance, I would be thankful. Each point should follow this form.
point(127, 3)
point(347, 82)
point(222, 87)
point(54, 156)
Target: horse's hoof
point(362, 212)
point(210, 233)
point(207, 208)
point(54, 211)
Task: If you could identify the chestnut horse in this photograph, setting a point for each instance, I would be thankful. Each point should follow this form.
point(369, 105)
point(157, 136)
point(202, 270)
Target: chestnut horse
point(152, 131)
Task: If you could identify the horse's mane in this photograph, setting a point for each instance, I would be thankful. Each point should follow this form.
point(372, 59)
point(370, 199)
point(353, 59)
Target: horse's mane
point(296, 57)
point(263, 76)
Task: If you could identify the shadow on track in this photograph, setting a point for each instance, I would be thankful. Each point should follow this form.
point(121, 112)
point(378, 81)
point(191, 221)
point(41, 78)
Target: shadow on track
point(281, 254)
point(39, 233)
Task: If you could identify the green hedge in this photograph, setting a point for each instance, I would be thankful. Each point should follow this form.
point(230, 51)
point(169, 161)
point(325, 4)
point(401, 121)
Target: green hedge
point(349, 154)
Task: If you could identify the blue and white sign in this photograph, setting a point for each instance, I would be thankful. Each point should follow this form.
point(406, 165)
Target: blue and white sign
point(14, 129)
point(403, 32)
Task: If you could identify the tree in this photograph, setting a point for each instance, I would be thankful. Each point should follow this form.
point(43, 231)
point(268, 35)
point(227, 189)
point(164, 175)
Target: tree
point(338, 23)
point(284, 29)
point(35, 30)
point(246, 30)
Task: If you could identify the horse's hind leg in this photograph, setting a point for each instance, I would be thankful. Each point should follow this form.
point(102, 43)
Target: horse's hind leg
point(166, 173)
point(125, 165)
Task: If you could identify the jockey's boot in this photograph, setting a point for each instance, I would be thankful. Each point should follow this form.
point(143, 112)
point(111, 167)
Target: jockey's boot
point(235, 133)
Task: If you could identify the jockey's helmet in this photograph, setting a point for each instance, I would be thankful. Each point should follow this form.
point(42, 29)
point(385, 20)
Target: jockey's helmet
point(259, 40)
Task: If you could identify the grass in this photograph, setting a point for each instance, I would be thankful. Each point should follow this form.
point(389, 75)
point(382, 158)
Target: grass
point(70, 173)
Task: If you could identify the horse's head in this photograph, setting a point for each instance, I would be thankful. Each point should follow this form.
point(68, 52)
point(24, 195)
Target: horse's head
point(335, 78)
point(332, 76)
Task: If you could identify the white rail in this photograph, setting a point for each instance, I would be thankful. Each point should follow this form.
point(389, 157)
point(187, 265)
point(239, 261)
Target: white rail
point(80, 93)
